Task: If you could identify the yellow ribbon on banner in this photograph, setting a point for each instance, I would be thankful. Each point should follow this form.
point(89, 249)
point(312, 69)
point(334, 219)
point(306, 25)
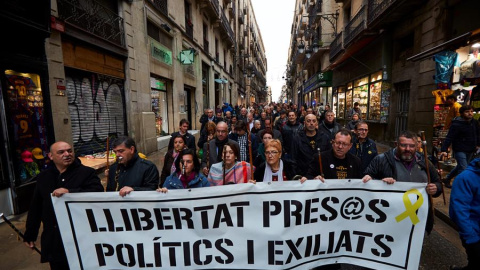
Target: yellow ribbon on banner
point(411, 209)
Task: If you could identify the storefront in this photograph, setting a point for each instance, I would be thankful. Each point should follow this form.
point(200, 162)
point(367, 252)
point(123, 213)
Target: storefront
point(96, 96)
point(160, 104)
point(25, 116)
point(317, 90)
point(372, 94)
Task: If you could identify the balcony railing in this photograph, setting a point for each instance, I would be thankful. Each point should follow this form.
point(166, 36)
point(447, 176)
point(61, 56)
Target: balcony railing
point(213, 7)
point(227, 28)
point(161, 5)
point(377, 8)
point(93, 18)
point(355, 26)
point(336, 46)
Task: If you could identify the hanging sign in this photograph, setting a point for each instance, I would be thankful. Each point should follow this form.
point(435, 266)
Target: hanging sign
point(187, 57)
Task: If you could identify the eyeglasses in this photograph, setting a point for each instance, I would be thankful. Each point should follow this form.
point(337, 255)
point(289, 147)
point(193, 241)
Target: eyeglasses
point(222, 131)
point(362, 129)
point(271, 153)
point(404, 145)
point(340, 143)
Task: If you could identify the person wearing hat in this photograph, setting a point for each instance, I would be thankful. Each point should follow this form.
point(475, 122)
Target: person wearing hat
point(68, 175)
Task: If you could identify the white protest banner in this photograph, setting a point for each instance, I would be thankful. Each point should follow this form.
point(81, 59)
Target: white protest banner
point(245, 226)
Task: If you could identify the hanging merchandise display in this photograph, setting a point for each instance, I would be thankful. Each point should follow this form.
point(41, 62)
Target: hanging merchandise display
point(444, 63)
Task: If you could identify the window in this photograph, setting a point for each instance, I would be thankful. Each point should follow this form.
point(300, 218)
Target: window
point(154, 32)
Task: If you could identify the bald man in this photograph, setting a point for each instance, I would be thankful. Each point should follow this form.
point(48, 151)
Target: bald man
point(67, 175)
point(215, 147)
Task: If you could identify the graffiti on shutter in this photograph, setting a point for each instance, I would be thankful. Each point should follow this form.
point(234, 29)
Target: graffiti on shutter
point(96, 104)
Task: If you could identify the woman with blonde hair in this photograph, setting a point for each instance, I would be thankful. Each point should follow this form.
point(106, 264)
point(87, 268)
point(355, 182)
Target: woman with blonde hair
point(274, 168)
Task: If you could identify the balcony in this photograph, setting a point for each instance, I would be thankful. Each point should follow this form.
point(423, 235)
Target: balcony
point(160, 5)
point(356, 26)
point(228, 29)
point(231, 9)
point(94, 19)
point(241, 16)
point(336, 46)
point(212, 8)
point(384, 12)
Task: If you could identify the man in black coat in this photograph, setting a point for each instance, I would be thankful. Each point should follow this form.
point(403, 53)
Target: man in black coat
point(215, 147)
point(307, 143)
point(290, 131)
point(130, 172)
point(329, 125)
point(337, 163)
point(67, 175)
point(183, 130)
point(403, 164)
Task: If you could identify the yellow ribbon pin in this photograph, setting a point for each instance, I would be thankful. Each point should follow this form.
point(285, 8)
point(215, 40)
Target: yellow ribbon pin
point(410, 209)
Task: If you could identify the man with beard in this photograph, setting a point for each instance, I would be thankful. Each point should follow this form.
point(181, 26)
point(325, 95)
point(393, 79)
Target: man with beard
point(241, 137)
point(337, 163)
point(214, 152)
point(363, 147)
point(403, 164)
point(130, 172)
point(329, 126)
point(276, 134)
point(67, 175)
point(290, 131)
point(307, 143)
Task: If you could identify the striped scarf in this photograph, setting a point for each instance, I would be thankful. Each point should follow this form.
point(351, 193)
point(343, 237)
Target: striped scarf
point(239, 173)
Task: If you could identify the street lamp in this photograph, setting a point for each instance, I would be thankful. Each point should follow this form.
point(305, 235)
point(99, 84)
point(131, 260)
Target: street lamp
point(308, 52)
point(301, 47)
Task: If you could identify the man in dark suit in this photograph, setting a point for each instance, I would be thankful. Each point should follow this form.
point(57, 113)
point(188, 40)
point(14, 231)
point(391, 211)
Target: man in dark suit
point(68, 175)
point(215, 147)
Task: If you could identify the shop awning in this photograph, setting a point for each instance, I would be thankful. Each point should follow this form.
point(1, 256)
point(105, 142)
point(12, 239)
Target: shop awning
point(452, 44)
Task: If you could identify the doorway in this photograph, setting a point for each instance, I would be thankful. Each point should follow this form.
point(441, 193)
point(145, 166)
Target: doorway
point(402, 90)
point(187, 102)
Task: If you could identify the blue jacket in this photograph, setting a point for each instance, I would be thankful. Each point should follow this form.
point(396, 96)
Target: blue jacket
point(465, 202)
point(173, 182)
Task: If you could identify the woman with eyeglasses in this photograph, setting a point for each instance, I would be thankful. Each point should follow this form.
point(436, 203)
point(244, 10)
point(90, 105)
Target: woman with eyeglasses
point(169, 167)
point(230, 170)
point(274, 168)
point(187, 173)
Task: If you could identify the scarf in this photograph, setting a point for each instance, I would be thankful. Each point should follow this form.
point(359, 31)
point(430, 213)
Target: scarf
point(174, 155)
point(186, 179)
point(267, 176)
point(239, 173)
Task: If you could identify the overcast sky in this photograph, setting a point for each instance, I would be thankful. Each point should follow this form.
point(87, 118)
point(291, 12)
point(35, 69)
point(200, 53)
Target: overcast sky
point(275, 17)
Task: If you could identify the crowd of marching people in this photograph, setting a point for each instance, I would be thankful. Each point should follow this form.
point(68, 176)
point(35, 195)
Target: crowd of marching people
point(263, 143)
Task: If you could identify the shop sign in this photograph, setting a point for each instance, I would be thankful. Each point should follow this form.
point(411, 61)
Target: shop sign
point(158, 84)
point(321, 79)
point(161, 53)
point(187, 57)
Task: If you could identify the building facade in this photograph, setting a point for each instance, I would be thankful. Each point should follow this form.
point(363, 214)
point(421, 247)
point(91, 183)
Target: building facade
point(87, 71)
point(381, 57)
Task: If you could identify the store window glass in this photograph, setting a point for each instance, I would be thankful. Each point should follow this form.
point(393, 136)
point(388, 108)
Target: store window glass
point(159, 105)
point(375, 96)
point(360, 95)
point(341, 102)
point(25, 113)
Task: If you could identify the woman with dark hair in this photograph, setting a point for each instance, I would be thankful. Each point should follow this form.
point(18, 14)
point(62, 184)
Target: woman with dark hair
point(265, 136)
point(186, 174)
point(169, 167)
point(235, 171)
point(274, 168)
